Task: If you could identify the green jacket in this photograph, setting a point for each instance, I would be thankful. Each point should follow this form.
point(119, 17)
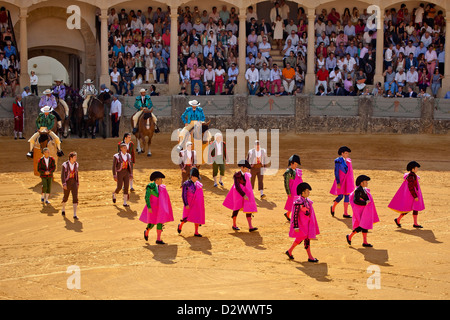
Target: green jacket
point(45, 121)
point(151, 189)
point(138, 104)
point(288, 175)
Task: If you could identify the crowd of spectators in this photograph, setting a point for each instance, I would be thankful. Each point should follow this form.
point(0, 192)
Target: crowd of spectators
point(345, 48)
point(9, 60)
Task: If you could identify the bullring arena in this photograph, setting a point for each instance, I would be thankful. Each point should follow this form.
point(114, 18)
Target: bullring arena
point(38, 245)
point(103, 255)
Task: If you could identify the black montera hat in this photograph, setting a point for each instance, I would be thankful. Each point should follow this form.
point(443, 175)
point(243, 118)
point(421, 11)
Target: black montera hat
point(412, 165)
point(302, 187)
point(361, 178)
point(156, 175)
point(343, 149)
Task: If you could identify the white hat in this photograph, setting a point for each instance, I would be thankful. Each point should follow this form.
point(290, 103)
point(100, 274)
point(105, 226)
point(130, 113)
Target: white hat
point(194, 103)
point(142, 90)
point(47, 91)
point(88, 81)
point(46, 109)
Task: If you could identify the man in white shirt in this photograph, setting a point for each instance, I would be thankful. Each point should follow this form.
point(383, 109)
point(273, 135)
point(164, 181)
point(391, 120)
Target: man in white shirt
point(410, 48)
point(209, 76)
point(400, 78)
point(388, 55)
point(419, 14)
point(115, 113)
point(264, 47)
point(252, 77)
point(412, 77)
point(427, 39)
point(293, 36)
point(131, 48)
point(250, 14)
point(34, 83)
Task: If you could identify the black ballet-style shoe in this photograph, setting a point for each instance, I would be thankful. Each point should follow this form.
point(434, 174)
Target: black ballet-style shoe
point(398, 224)
point(252, 229)
point(287, 218)
point(331, 211)
point(313, 260)
point(178, 229)
point(197, 235)
point(236, 228)
point(291, 257)
point(145, 235)
point(367, 245)
point(113, 198)
point(418, 226)
point(348, 240)
point(347, 216)
point(63, 213)
point(160, 242)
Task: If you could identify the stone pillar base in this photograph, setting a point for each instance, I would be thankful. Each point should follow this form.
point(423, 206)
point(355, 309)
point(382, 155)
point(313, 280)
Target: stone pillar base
point(445, 87)
point(310, 83)
point(378, 78)
point(106, 80)
point(174, 86)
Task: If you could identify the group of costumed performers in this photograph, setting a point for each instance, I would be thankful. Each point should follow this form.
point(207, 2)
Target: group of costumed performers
point(299, 211)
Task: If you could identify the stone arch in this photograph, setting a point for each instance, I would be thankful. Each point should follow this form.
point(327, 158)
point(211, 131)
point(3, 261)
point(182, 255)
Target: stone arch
point(90, 53)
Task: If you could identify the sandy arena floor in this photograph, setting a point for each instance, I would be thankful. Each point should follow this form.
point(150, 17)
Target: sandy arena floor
point(38, 245)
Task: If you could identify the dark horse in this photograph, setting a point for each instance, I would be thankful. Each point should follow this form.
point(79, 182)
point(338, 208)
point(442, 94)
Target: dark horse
point(74, 101)
point(95, 115)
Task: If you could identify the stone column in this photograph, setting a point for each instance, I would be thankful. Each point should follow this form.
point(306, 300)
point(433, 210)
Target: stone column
point(446, 80)
point(379, 57)
point(173, 74)
point(241, 86)
point(104, 74)
point(24, 76)
point(310, 78)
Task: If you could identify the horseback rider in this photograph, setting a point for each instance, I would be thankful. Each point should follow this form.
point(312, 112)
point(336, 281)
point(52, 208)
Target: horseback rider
point(88, 91)
point(190, 117)
point(48, 99)
point(45, 122)
point(142, 102)
point(59, 91)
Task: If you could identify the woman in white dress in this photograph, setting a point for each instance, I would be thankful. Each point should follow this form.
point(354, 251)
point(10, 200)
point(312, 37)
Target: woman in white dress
point(278, 31)
point(150, 71)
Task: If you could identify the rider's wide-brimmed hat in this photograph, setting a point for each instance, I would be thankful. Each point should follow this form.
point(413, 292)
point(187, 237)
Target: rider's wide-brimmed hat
point(46, 109)
point(47, 91)
point(194, 103)
point(88, 81)
point(142, 90)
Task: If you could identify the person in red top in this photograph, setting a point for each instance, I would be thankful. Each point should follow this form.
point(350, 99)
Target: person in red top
point(18, 117)
point(322, 76)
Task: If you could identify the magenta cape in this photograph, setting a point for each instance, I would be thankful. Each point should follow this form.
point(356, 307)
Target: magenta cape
point(364, 216)
point(403, 200)
point(161, 208)
point(346, 179)
point(196, 201)
point(293, 183)
point(308, 227)
point(234, 201)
